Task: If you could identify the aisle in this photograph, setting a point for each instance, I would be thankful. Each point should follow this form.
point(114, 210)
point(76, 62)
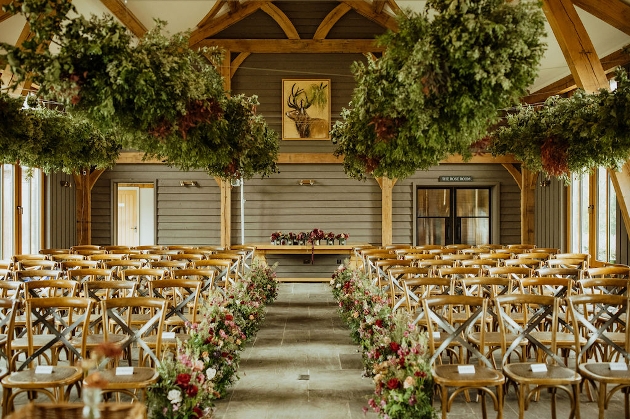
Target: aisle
point(302, 364)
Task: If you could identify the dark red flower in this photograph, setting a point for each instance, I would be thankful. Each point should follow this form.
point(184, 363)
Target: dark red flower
point(393, 383)
point(229, 317)
point(197, 411)
point(379, 323)
point(191, 391)
point(394, 346)
point(182, 380)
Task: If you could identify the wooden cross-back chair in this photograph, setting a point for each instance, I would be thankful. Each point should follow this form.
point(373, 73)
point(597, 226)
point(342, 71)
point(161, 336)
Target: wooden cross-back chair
point(443, 332)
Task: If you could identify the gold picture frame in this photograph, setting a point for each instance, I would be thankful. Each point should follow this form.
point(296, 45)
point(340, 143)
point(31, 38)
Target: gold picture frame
point(306, 109)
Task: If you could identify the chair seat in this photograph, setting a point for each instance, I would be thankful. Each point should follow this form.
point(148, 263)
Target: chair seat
point(494, 339)
point(141, 378)
point(27, 379)
point(168, 342)
point(448, 375)
point(555, 374)
point(21, 344)
point(95, 339)
point(563, 340)
point(600, 371)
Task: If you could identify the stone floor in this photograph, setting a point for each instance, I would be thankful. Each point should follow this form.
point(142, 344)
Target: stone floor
point(303, 365)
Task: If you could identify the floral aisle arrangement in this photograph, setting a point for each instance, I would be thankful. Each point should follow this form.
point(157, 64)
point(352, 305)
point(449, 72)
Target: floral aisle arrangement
point(394, 351)
point(205, 365)
point(312, 237)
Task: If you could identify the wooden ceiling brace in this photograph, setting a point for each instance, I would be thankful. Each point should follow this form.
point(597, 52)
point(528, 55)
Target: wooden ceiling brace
point(128, 19)
point(614, 12)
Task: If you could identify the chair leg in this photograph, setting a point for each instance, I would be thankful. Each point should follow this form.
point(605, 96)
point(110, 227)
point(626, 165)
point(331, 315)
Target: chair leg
point(576, 400)
point(552, 390)
point(482, 400)
point(521, 390)
point(444, 395)
point(601, 400)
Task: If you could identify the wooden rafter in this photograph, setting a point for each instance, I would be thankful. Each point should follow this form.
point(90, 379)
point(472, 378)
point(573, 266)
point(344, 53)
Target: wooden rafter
point(212, 13)
point(128, 19)
point(366, 10)
point(575, 43)
point(378, 5)
point(566, 84)
point(213, 26)
point(295, 46)
point(236, 63)
point(395, 8)
point(234, 5)
point(4, 15)
point(330, 20)
point(281, 19)
point(614, 12)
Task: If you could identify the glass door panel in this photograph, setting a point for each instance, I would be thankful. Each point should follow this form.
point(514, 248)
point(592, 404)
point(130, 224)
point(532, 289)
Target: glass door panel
point(432, 231)
point(434, 216)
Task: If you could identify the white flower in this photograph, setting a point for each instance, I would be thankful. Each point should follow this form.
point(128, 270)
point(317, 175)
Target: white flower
point(409, 382)
point(175, 396)
point(210, 373)
point(332, 282)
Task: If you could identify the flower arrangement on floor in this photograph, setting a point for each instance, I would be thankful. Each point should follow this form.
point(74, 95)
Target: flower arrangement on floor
point(394, 351)
point(205, 365)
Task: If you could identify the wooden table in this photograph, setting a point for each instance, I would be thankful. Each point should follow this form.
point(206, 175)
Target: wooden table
point(262, 250)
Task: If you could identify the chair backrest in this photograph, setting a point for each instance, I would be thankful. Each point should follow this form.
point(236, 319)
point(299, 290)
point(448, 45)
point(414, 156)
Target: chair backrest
point(611, 286)
point(458, 272)
point(86, 247)
point(83, 275)
point(221, 268)
point(420, 288)
point(66, 265)
point(486, 287)
point(50, 288)
point(182, 295)
point(61, 257)
point(106, 257)
point(117, 266)
point(11, 289)
point(142, 277)
point(169, 265)
point(52, 252)
point(455, 316)
point(512, 272)
point(597, 317)
point(5, 274)
point(567, 263)
point(37, 264)
point(104, 290)
point(573, 273)
point(608, 272)
point(59, 317)
point(36, 275)
point(557, 287)
point(118, 312)
point(29, 256)
point(538, 312)
point(116, 247)
point(148, 247)
point(524, 263)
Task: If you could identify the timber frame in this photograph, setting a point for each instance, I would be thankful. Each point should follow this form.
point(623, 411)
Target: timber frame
point(587, 71)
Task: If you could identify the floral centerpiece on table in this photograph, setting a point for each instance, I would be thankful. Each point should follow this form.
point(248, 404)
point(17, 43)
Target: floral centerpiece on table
point(315, 235)
point(330, 238)
point(185, 388)
point(342, 237)
point(276, 236)
point(302, 237)
point(291, 237)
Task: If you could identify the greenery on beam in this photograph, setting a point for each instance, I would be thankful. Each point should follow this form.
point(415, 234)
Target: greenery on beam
point(439, 85)
point(570, 135)
point(51, 140)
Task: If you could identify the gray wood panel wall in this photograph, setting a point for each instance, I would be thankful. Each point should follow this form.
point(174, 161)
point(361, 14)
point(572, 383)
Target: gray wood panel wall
point(184, 215)
point(551, 213)
point(61, 214)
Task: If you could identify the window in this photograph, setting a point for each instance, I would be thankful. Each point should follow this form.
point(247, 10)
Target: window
point(606, 218)
point(579, 214)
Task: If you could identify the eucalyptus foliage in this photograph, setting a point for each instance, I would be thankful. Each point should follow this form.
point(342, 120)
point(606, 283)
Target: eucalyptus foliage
point(570, 135)
point(163, 97)
point(439, 85)
point(51, 140)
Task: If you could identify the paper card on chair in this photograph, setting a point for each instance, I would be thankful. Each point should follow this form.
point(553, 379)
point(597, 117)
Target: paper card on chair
point(539, 367)
point(466, 369)
point(168, 335)
point(44, 369)
point(618, 366)
point(436, 335)
point(124, 370)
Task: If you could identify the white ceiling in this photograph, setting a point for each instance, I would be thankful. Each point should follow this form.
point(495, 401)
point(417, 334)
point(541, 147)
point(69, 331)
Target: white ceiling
point(182, 15)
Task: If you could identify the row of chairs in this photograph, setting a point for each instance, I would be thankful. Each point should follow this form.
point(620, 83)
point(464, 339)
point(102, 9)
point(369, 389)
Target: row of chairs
point(44, 319)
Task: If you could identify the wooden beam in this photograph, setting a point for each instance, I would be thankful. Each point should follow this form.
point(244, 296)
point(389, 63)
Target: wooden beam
point(212, 13)
point(234, 5)
point(226, 211)
point(128, 19)
point(378, 6)
point(226, 73)
point(610, 62)
point(575, 43)
point(528, 206)
point(330, 20)
point(295, 46)
point(387, 187)
point(84, 182)
point(516, 174)
point(236, 63)
point(136, 157)
point(282, 20)
point(621, 183)
point(214, 26)
point(365, 9)
point(614, 12)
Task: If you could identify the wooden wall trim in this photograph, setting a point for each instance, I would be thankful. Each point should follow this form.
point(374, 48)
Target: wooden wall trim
point(281, 19)
point(330, 20)
point(295, 46)
point(215, 25)
point(516, 174)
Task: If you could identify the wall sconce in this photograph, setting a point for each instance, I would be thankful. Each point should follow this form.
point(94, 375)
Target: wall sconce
point(188, 183)
point(309, 182)
point(64, 184)
point(545, 182)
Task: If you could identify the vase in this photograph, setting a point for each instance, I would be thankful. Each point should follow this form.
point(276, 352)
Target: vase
point(330, 242)
point(316, 242)
point(342, 241)
point(92, 398)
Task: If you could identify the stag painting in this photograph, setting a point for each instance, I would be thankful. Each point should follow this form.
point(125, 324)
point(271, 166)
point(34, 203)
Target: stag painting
point(306, 102)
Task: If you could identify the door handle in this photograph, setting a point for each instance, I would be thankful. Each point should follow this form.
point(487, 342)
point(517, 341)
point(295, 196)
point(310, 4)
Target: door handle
point(134, 229)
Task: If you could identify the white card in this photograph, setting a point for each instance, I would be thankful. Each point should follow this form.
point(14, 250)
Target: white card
point(168, 335)
point(466, 369)
point(43, 369)
point(618, 366)
point(539, 367)
point(124, 370)
point(436, 335)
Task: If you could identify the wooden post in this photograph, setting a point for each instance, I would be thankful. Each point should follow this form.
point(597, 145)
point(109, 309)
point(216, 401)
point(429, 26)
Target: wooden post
point(387, 186)
point(528, 205)
point(226, 211)
point(84, 183)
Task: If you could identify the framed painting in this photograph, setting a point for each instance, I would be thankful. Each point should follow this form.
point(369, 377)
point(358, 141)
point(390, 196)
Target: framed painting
point(306, 109)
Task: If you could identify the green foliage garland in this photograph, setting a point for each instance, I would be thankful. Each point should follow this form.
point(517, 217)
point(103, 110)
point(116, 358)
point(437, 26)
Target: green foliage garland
point(570, 135)
point(439, 85)
point(51, 140)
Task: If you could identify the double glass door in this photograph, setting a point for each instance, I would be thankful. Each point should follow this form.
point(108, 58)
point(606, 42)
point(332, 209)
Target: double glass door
point(453, 216)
